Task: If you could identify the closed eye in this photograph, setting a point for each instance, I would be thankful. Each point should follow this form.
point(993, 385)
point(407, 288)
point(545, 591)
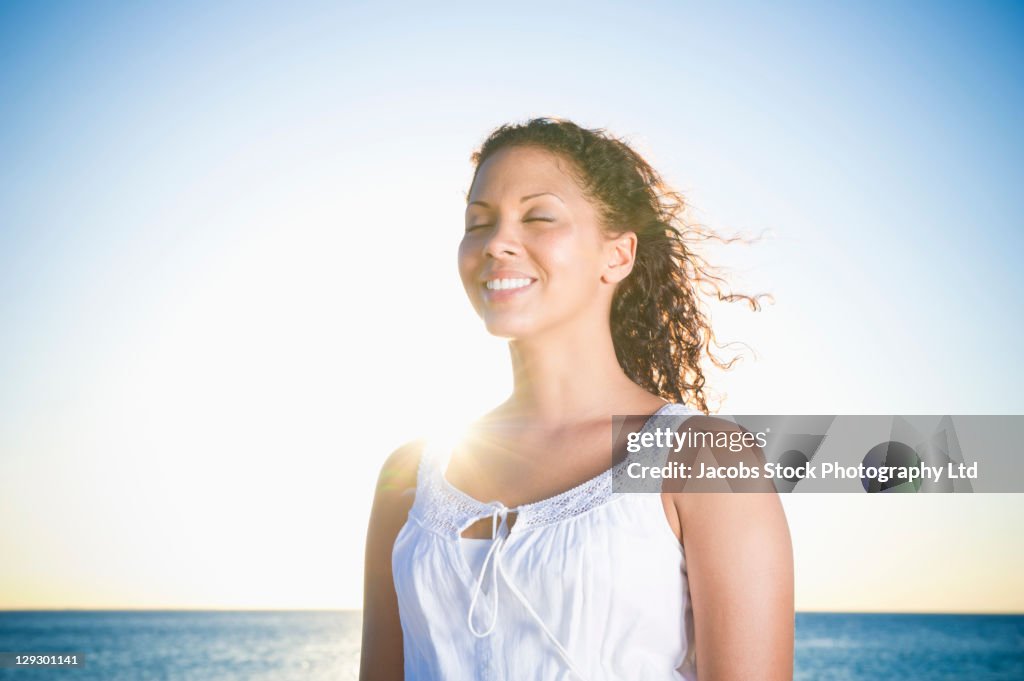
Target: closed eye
point(476, 227)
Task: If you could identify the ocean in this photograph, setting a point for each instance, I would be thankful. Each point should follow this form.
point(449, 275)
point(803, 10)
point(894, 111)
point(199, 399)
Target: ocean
point(324, 645)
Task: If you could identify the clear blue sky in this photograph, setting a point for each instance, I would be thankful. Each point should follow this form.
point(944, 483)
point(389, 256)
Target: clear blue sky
point(228, 230)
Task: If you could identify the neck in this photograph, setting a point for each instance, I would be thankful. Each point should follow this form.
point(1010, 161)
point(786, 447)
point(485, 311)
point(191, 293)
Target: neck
point(567, 375)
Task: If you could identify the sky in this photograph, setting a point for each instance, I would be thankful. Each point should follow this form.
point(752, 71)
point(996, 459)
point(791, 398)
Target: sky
point(228, 284)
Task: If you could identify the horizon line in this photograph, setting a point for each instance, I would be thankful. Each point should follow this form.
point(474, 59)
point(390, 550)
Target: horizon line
point(359, 610)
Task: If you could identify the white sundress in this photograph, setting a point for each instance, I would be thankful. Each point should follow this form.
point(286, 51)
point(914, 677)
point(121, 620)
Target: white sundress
point(588, 585)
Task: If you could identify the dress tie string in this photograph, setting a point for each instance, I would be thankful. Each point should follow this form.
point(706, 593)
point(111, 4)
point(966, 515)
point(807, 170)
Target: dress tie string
point(499, 518)
point(500, 513)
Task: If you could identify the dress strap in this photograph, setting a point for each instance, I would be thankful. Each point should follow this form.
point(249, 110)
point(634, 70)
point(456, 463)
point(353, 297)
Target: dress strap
point(427, 464)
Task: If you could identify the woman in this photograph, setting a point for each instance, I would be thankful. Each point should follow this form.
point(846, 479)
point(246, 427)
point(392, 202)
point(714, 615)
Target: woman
point(575, 251)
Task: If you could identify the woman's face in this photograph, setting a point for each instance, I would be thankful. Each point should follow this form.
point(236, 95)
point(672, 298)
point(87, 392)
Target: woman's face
point(534, 256)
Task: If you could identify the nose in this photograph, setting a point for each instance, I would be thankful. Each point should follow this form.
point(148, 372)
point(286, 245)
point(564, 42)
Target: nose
point(503, 241)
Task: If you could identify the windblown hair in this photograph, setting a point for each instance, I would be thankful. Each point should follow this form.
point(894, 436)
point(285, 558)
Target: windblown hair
point(660, 326)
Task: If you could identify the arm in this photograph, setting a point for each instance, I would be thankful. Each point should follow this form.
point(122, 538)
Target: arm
point(381, 653)
point(739, 557)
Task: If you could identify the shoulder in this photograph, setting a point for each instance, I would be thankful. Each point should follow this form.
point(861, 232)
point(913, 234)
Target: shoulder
point(392, 500)
point(396, 481)
point(395, 490)
point(398, 473)
point(717, 503)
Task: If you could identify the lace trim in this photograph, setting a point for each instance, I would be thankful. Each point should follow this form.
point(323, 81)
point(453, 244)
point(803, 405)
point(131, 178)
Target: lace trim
point(444, 508)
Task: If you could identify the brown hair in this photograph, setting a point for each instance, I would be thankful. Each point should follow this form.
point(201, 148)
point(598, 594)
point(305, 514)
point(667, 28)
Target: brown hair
point(660, 328)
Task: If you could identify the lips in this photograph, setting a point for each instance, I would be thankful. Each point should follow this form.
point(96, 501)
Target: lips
point(503, 289)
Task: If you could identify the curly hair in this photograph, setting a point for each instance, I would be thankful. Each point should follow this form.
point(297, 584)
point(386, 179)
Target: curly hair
point(659, 325)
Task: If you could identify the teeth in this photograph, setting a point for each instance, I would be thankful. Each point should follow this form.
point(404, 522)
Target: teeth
point(505, 284)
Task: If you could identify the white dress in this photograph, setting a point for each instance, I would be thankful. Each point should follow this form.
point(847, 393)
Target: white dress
point(588, 585)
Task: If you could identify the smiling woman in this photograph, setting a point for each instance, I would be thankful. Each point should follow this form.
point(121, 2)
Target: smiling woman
point(575, 251)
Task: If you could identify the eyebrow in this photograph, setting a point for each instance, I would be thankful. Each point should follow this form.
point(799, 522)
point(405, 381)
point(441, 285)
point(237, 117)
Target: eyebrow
point(525, 198)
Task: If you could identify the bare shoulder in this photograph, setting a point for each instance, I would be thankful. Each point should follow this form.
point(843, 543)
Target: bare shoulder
point(395, 493)
point(716, 498)
point(398, 472)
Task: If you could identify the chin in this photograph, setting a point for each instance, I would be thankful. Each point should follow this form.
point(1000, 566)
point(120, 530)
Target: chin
point(509, 327)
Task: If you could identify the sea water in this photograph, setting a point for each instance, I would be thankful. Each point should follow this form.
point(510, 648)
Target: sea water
point(324, 645)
